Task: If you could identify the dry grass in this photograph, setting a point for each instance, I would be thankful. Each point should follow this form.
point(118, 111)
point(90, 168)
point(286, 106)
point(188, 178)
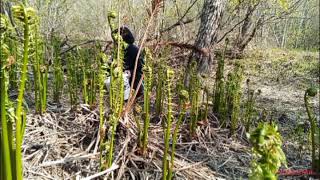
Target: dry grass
point(63, 145)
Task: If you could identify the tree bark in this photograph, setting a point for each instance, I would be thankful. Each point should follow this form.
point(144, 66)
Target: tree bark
point(211, 15)
point(247, 31)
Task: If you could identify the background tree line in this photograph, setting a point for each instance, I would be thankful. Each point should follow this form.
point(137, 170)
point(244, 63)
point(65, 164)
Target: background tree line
point(292, 24)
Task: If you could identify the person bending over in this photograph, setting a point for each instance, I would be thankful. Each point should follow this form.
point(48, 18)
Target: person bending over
point(130, 55)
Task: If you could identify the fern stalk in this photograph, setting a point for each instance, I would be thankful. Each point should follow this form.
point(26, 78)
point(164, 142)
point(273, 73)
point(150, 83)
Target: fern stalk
point(169, 79)
point(159, 90)
point(184, 97)
point(57, 72)
point(147, 95)
point(234, 110)
point(219, 84)
point(20, 124)
point(116, 84)
point(102, 129)
point(311, 92)
point(5, 150)
point(194, 91)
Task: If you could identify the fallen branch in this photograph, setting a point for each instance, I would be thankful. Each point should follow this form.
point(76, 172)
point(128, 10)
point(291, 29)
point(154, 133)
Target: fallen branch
point(68, 159)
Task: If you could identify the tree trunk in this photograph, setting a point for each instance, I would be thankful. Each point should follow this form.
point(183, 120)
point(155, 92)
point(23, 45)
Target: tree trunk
point(247, 31)
point(210, 20)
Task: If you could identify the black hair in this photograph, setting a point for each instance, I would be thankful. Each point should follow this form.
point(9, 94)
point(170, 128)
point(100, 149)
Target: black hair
point(126, 34)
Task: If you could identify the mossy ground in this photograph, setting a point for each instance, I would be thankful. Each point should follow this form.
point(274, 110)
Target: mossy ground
point(283, 76)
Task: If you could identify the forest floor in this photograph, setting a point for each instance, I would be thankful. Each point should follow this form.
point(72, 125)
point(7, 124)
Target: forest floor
point(62, 144)
point(283, 77)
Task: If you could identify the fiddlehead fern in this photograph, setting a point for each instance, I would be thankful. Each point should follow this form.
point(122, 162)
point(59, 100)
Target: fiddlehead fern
point(267, 153)
point(184, 99)
point(159, 88)
point(194, 91)
point(236, 80)
point(102, 129)
point(57, 71)
point(6, 151)
point(311, 92)
point(147, 70)
point(219, 84)
point(40, 70)
point(249, 105)
point(169, 78)
point(27, 17)
point(116, 85)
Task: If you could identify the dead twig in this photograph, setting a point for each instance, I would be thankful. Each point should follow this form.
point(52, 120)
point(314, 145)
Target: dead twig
point(112, 168)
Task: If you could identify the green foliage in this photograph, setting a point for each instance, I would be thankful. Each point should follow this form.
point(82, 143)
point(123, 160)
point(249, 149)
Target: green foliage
point(102, 128)
point(233, 95)
point(283, 4)
point(91, 74)
point(267, 153)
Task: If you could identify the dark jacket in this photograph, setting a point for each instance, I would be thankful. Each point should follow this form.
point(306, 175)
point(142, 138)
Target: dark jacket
point(130, 55)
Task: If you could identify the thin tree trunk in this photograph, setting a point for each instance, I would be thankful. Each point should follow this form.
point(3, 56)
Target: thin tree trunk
point(284, 35)
point(250, 36)
point(247, 31)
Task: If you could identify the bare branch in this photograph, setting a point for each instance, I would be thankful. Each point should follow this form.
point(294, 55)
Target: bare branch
point(180, 21)
point(248, 14)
